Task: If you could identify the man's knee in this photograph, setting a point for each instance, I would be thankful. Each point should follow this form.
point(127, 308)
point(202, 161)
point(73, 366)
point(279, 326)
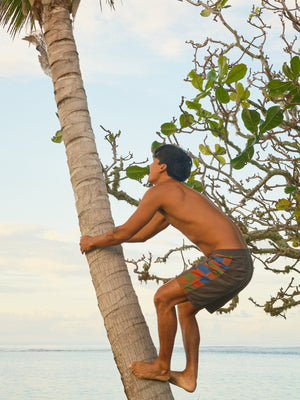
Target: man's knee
point(161, 298)
point(186, 310)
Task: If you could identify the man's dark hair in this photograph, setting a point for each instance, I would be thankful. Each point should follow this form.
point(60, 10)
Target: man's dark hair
point(178, 162)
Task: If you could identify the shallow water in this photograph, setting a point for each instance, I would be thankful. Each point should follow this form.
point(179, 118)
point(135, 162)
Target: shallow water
point(83, 373)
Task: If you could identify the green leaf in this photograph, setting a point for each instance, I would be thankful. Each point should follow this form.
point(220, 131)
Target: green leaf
point(245, 104)
point(295, 241)
point(222, 95)
point(287, 71)
point(213, 124)
point(277, 87)
point(221, 4)
point(57, 138)
point(212, 75)
point(136, 172)
point(295, 64)
point(246, 94)
point(297, 215)
point(234, 96)
point(202, 95)
point(193, 105)
point(223, 66)
point(205, 150)
point(274, 118)
point(193, 183)
point(205, 12)
point(290, 189)
point(168, 128)
point(236, 73)
point(186, 120)
point(241, 160)
point(296, 98)
point(215, 127)
point(196, 162)
point(155, 145)
point(283, 204)
point(221, 160)
point(197, 185)
point(240, 89)
point(219, 149)
point(197, 81)
point(208, 86)
point(251, 119)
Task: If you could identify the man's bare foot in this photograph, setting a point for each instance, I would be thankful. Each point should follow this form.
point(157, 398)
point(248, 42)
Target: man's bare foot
point(149, 370)
point(184, 380)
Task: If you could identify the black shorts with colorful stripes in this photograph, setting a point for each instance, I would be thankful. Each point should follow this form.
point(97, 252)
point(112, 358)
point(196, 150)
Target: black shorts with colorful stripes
point(220, 278)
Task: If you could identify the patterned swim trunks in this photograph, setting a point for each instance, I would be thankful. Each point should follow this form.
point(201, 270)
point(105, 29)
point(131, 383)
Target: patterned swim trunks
point(220, 278)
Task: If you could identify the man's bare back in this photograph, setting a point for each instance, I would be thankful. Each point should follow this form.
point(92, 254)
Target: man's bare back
point(196, 217)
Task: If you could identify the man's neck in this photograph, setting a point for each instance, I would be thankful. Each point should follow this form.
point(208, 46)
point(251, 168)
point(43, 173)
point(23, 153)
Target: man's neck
point(164, 178)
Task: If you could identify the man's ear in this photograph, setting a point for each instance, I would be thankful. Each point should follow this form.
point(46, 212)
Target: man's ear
point(163, 167)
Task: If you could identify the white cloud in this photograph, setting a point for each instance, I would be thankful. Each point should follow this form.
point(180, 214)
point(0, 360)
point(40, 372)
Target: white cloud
point(12, 228)
point(134, 39)
point(52, 327)
point(131, 39)
point(18, 60)
point(40, 265)
point(39, 251)
point(52, 234)
point(150, 22)
point(19, 229)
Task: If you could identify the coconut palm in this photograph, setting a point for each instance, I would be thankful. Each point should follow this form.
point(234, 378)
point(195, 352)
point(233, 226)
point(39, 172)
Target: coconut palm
point(124, 322)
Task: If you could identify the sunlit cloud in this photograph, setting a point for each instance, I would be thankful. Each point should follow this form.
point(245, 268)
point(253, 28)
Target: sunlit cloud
point(18, 59)
point(13, 228)
point(39, 251)
point(51, 327)
point(52, 234)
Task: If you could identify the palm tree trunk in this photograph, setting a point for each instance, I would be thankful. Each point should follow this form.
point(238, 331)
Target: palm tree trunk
point(126, 328)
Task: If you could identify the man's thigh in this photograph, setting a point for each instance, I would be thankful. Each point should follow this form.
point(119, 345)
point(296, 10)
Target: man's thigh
point(171, 293)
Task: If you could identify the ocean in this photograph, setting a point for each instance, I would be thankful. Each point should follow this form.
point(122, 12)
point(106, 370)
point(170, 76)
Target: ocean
point(89, 373)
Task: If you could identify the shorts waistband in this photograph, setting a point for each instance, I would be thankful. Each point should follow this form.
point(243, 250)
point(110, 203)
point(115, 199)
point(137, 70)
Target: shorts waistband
point(230, 252)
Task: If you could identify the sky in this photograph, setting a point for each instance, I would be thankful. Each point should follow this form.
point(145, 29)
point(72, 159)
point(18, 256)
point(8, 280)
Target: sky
point(134, 61)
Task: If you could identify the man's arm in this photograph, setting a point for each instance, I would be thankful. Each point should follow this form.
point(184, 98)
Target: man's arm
point(156, 225)
point(146, 210)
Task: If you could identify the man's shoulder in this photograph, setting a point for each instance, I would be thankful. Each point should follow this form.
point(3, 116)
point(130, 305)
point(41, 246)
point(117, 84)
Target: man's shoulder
point(166, 190)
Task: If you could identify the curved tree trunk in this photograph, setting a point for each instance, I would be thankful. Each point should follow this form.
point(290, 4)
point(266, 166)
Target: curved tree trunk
point(126, 328)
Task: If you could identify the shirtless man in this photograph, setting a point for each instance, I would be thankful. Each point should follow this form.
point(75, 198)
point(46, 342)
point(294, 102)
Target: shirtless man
point(227, 270)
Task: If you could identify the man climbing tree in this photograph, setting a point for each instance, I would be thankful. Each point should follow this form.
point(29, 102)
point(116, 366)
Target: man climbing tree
point(227, 270)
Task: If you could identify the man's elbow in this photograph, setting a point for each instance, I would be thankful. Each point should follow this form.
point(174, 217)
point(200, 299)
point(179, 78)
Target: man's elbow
point(137, 239)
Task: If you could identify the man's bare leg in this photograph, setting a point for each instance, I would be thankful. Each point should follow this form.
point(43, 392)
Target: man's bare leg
point(165, 300)
point(187, 379)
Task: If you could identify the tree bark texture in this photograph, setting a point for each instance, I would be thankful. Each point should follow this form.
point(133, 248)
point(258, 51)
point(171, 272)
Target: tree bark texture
point(126, 328)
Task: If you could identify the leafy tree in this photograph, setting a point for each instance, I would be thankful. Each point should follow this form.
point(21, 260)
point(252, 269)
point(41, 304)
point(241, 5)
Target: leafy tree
point(125, 324)
point(242, 130)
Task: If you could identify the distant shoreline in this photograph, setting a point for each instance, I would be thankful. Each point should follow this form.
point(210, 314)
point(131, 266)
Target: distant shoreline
point(258, 349)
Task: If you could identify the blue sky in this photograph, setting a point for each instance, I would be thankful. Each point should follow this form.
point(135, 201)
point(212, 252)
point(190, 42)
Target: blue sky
point(134, 62)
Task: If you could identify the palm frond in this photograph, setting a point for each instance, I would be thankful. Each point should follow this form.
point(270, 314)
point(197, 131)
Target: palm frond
point(15, 14)
point(74, 6)
point(111, 3)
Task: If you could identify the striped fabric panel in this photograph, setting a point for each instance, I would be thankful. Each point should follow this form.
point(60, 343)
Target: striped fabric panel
point(202, 274)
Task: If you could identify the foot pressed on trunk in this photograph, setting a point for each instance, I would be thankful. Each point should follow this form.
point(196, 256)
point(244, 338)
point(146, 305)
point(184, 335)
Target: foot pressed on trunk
point(184, 380)
point(150, 370)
